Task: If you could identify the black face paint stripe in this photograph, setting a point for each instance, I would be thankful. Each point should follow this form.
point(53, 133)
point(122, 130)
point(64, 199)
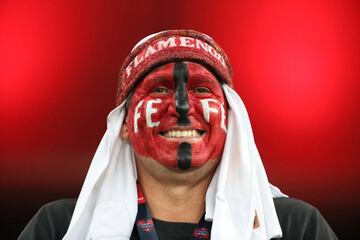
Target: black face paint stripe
point(184, 156)
point(181, 76)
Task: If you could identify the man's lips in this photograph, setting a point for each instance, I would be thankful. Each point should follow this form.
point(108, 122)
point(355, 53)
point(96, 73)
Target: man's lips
point(182, 133)
point(172, 132)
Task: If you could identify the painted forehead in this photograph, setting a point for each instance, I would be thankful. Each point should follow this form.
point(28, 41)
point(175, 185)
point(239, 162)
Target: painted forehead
point(196, 74)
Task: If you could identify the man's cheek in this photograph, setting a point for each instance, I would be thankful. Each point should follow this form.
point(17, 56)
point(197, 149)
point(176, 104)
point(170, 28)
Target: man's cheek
point(136, 116)
point(146, 115)
point(214, 112)
point(150, 110)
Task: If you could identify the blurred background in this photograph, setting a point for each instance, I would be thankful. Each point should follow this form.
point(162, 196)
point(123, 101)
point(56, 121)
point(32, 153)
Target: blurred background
point(296, 66)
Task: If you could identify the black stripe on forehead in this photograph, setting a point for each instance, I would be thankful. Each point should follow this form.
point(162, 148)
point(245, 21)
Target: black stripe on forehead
point(181, 75)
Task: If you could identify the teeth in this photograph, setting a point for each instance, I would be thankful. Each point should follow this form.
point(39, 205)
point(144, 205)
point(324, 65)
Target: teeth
point(181, 134)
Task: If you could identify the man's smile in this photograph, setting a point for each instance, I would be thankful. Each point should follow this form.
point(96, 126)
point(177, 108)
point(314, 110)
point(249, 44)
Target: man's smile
point(183, 135)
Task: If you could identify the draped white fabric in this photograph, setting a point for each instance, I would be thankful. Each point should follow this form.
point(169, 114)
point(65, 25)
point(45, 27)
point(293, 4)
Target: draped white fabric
point(107, 205)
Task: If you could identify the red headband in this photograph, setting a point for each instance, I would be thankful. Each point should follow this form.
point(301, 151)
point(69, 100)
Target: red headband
point(167, 46)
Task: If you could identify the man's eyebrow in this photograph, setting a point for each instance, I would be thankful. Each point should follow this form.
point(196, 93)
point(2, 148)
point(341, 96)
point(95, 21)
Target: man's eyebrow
point(160, 79)
point(204, 79)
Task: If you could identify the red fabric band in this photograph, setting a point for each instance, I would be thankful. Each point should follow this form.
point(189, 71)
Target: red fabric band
point(167, 46)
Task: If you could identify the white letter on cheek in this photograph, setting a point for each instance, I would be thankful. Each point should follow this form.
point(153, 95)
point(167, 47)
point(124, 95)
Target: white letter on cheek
point(207, 109)
point(150, 110)
point(137, 115)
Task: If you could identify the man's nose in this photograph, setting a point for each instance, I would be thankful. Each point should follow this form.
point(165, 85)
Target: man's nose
point(181, 98)
point(182, 108)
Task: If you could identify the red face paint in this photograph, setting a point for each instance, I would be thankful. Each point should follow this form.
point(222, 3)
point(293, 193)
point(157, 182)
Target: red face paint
point(155, 130)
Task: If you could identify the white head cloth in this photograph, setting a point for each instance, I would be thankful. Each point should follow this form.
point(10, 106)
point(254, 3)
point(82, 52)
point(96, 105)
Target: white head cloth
point(107, 205)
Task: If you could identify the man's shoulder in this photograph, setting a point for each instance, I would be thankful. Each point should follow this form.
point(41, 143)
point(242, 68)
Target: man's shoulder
point(61, 205)
point(293, 206)
point(60, 209)
point(301, 220)
point(293, 214)
point(51, 221)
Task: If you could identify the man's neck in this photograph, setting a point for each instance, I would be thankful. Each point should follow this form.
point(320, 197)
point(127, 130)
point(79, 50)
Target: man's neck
point(175, 203)
point(175, 196)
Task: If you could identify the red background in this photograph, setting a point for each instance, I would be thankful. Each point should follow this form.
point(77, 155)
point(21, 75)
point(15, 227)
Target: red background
point(296, 66)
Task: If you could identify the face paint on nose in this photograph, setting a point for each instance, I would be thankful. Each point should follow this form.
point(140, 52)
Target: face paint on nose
point(181, 76)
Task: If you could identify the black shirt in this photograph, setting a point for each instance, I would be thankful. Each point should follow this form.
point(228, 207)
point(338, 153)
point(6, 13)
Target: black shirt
point(298, 220)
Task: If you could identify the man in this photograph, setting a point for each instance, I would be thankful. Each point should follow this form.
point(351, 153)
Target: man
point(178, 160)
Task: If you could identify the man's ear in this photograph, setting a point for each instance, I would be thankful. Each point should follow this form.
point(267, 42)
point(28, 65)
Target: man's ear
point(124, 133)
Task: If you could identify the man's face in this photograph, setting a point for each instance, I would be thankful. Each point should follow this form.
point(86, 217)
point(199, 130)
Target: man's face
point(178, 116)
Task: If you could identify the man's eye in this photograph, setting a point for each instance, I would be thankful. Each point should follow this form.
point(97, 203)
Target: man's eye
point(160, 90)
point(201, 90)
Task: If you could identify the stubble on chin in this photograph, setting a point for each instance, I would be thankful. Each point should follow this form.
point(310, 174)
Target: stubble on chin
point(150, 168)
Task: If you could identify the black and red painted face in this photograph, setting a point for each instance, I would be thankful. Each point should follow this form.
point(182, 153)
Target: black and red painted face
point(178, 116)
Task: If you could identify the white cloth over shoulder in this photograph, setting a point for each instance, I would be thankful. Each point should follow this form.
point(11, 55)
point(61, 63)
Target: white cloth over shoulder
point(107, 205)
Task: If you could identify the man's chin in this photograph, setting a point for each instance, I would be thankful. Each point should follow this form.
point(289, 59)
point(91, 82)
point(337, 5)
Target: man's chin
point(172, 174)
point(197, 161)
point(195, 165)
